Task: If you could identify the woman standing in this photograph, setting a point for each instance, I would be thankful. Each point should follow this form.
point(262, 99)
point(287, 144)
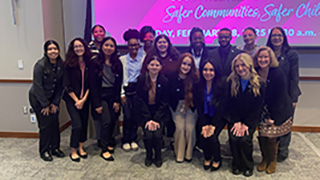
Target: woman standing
point(105, 86)
point(147, 35)
point(76, 96)
point(168, 55)
point(278, 108)
point(249, 38)
point(289, 63)
point(210, 96)
point(152, 98)
point(44, 96)
point(246, 90)
point(131, 63)
point(181, 84)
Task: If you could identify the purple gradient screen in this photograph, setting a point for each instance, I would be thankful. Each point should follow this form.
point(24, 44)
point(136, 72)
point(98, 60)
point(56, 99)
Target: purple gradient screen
point(175, 18)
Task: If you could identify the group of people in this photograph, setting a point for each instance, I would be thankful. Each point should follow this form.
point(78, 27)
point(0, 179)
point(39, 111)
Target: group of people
point(190, 97)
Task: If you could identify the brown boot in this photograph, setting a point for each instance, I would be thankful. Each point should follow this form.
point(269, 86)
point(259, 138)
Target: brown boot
point(273, 158)
point(262, 166)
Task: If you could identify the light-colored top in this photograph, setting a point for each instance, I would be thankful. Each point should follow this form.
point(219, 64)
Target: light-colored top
point(241, 47)
point(197, 59)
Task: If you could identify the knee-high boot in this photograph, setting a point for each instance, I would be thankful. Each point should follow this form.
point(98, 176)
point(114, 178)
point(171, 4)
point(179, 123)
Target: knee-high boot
point(273, 150)
point(262, 166)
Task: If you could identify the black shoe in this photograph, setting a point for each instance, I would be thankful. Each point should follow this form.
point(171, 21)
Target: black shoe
point(205, 167)
point(158, 163)
point(188, 160)
point(46, 156)
point(248, 173)
point(281, 158)
point(236, 171)
point(58, 153)
point(82, 156)
point(148, 162)
point(107, 159)
point(75, 159)
point(216, 168)
point(111, 151)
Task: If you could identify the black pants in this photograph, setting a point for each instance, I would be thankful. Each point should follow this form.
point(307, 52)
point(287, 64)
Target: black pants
point(241, 148)
point(130, 124)
point(49, 133)
point(153, 139)
point(211, 145)
point(79, 119)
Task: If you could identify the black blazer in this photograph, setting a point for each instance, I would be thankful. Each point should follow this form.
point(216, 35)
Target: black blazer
point(176, 90)
point(204, 55)
point(161, 99)
point(95, 79)
point(246, 108)
point(219, 100)
point(223, 71)
point(277, 100)
point(73, 82)
point(289, 63)
point(47, 86)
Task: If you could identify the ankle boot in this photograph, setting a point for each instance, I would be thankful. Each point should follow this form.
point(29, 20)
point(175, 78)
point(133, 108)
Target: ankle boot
point(262, 166)
point(273, 150)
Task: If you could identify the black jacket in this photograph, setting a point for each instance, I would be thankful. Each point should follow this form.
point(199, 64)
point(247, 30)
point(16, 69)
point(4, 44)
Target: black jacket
point(161, 99)
point(223, 69)
point(73, 82)
point(277, 100)
point(289, 63)
point(95, 78)
point(246, 108)
point(176, 90)
point(47, 86)
point(219, 101)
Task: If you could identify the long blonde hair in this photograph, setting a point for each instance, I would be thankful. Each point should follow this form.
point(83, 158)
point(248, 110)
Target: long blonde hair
point(273, 60)
point(235, 79)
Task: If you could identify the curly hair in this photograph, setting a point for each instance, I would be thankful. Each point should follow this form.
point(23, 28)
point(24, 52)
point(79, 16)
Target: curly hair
point(72, 57)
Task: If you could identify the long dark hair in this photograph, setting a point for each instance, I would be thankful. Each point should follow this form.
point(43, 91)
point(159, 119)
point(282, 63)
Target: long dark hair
point(192, 76)
point(46, 46)
point(285, 44)
point(72, 57)
point(114, 59)
point(172, 51)
point(147, 84)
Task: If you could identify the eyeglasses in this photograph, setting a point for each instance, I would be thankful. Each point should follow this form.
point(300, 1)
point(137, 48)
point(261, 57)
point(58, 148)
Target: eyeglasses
point(78, 46)
point(224, 37)
point(277, 35)
point(248, 35)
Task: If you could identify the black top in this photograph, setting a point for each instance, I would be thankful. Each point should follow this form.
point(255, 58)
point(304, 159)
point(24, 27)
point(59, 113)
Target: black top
point(47, 83)
point(289, 63)
point(277, 100)
point(161, 101)
point(73, 82)
point(223, 69)
point(176, 90)
point(246, 108)
point(219, 101)
point(95, 78)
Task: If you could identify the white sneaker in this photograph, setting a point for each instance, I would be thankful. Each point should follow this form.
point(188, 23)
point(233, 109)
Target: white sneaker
point(126, 147)
point(134, 146)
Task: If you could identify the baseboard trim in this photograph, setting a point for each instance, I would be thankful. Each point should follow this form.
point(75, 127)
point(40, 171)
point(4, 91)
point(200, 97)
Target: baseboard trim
point(29, 135)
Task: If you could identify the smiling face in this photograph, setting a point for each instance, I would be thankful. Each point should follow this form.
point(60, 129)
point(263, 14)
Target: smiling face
point(154, 67)
point(197, 40)
point(52, 52)
point(241, 69)
point(224, 38)
point(162, 45)
point(185, 65)
point(98, 34)
point(277, 38)
point(108, 47)
point(263, 59)
point(133, 45)
point(208, 72)
point(249, 37)
point(78, 48)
